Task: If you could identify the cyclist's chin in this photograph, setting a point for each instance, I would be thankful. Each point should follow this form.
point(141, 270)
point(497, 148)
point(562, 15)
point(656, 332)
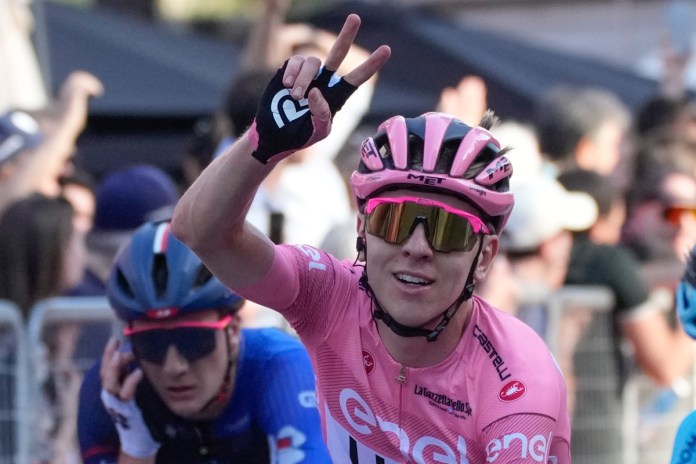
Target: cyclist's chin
point(185, 404)
point(412, 314)
point(187, 410)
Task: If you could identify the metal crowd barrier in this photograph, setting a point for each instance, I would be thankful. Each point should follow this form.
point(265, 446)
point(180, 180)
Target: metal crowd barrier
point(61, 340)
point(649, 415)
point(83, 324)
point(14, 387)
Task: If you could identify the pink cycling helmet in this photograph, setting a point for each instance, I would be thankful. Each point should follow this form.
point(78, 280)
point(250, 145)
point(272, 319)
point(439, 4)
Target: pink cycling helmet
point(438, 152)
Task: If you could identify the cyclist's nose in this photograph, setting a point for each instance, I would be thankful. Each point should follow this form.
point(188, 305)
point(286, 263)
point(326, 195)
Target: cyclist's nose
point(174, 362)
point(417, 245)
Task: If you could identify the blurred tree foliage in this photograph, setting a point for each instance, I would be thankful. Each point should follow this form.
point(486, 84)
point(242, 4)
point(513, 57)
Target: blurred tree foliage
point(198, 10)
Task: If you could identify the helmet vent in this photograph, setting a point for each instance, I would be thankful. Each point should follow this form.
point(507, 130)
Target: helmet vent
point(415, 152)
point(204, 275)
point(483, 159)
point(123, 284)
point(160, 275)
point(447, 154)
point(385, 153)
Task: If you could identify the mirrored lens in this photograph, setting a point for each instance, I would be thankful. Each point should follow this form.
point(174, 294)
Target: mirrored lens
point(193, 343)
point(395, 222)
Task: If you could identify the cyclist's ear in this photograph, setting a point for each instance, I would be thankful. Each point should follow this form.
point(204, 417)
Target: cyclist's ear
point(232, 333)
point(360, 225)
point(489, 250)
point(235, 325)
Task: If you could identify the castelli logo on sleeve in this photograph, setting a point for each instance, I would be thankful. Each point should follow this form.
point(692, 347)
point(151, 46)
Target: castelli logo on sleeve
point(368, 362)
point(513, 390)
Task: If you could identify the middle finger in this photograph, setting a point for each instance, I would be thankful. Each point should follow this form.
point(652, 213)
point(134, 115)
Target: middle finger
point(306, 75)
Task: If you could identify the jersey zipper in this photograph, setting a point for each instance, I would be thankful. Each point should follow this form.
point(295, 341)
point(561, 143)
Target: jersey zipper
point(401, 380)
point(203, 449)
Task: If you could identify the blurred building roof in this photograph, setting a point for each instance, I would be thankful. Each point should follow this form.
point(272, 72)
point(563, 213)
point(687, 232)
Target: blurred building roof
point(158, 80)
point(148, 69)
point(622, 33)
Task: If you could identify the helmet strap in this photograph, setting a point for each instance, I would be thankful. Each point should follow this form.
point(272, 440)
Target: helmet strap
point(431, 335)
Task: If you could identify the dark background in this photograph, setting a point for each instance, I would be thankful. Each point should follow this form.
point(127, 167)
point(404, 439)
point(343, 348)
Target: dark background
point(159, 79)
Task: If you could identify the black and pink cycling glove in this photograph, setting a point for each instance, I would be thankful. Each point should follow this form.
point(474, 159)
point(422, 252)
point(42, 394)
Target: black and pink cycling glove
point(284, 125)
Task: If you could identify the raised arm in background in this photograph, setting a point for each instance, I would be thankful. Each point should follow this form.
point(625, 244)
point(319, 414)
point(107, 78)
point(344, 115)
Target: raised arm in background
point(65, 119)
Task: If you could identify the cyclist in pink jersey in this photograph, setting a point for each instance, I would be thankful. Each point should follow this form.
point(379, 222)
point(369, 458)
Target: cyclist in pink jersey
point(411, 366)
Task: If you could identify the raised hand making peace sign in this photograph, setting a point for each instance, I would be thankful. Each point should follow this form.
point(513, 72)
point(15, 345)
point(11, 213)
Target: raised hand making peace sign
point(300, 101)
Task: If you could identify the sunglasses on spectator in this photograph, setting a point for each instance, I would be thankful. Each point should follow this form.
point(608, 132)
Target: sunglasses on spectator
point(192, 339)
point(673, 214)
point(446, 228)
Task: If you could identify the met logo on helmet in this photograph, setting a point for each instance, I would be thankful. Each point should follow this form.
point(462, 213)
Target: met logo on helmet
point(161, 313)
point(427, 180)
point(502, 165)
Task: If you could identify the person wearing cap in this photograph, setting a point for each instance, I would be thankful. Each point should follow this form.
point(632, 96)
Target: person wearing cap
point(33, 153)
point(125, 199)
point(538, 240)
point(411, 364)
point(188, 385)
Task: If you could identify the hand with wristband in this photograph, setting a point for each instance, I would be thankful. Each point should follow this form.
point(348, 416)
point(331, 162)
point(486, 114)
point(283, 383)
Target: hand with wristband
point(118, 396)
point(300, 101)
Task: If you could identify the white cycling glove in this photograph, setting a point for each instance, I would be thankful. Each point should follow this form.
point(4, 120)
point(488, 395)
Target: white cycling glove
point(136, 439)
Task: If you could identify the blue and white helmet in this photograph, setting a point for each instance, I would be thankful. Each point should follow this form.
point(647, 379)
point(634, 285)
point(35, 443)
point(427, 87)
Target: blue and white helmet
point(686, 296)
point(156, 276)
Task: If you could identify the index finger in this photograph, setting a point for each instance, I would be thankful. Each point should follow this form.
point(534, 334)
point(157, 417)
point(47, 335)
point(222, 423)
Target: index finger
point(111, 346)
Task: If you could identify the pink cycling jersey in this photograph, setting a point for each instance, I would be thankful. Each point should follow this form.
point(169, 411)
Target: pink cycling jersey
point(499, 397)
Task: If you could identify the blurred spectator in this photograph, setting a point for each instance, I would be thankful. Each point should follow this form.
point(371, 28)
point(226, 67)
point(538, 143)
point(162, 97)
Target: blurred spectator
point(661, 224)
point(206, 140)
point(46, 251)
point(525, 154)
point(467, 101)
point(21, 84)
point(663, 116)
point(34, 152)
point(42, 254)
point(78, 189)
point(537, 240)
point(662, 352)
point(583, 128)
point(126, 199)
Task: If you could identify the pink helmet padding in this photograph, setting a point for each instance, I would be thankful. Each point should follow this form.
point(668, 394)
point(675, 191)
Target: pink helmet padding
point(397, 133)
point(370, 155)
point(436, 125)
point(498, 169)
point(473, 142)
